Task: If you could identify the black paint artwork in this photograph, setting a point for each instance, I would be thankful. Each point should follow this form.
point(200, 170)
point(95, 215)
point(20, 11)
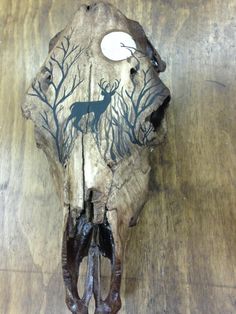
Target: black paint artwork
point(61, 91)
point(80, 109)
point(114, 118)
point(123, 117)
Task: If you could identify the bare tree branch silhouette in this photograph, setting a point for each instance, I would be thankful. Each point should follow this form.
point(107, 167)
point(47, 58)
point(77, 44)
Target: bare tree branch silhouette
point(61, 91)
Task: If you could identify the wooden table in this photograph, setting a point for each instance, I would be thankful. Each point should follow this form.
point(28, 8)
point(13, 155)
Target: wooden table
point(181, 257)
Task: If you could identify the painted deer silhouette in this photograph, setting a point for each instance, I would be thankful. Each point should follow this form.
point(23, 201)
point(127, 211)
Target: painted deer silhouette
point(81, 108)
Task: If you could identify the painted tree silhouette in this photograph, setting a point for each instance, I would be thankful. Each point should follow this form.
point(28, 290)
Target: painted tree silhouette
point(132, 106)
point(122, 126)
point(61, 90)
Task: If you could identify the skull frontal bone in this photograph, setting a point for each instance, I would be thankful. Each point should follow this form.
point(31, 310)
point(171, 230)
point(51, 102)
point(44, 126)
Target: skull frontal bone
point(98, 106)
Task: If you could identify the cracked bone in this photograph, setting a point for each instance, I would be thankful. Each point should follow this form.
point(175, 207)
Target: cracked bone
point(97, 114)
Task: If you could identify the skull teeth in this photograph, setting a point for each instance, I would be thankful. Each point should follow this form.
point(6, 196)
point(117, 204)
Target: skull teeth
point(93, 241)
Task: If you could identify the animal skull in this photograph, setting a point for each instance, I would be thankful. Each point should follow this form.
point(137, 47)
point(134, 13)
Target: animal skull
point(96, 119)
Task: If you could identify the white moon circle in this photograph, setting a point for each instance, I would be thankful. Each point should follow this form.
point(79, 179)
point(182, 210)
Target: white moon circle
point(118, 46)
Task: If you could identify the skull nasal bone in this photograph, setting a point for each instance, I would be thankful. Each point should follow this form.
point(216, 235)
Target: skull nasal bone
point(158, 115)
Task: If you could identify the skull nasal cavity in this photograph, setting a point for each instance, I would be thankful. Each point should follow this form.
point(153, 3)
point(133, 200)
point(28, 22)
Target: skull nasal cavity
point(158, 115)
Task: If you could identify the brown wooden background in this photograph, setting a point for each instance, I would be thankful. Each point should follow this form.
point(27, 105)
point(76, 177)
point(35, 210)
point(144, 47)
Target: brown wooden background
point(182, 256)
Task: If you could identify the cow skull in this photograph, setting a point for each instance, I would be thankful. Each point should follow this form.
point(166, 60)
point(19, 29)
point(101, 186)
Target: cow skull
point(98, 106)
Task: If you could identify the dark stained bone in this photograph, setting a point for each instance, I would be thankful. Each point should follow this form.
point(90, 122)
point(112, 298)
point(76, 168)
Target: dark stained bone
point(98, 158)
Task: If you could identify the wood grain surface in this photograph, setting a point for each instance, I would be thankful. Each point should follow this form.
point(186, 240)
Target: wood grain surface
point(181, 257)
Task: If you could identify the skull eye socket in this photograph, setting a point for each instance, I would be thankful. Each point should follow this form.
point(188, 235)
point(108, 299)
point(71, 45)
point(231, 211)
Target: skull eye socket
point(158, 115)
point(117, 46)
